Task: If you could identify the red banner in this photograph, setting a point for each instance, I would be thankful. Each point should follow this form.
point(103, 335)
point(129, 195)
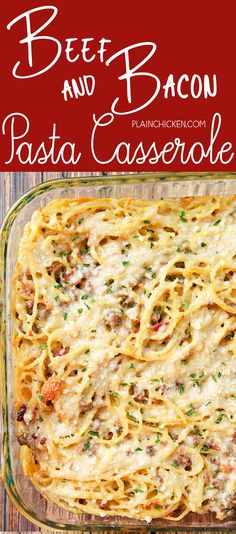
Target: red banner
point(117, 86)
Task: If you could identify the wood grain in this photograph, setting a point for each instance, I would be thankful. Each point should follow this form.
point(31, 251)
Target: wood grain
point(12, 186)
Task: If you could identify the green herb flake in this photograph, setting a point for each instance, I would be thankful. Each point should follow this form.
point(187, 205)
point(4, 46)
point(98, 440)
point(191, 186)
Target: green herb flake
point(190, 411)
point(138, 490)
point(83, 370)
point(79, 310)
point(132, 366)
point(125, 263)
point(138, 449)
point(59, 214)
point(56, 298)
point(182, 216)
point(81, 220)
point(146, 221)
point(217, 222)
point(220, 418)
point(40, 418)
point(178, 248)
point(92, 433)
point(58, 286)
point(203, 244)
point(65, 316)
point(40, 397)
point(151, 244)
point(87, 445)
point(43, 346)
point(132, 417)
point(84, 251)
point(174, 464)
point(75, 237)
point(181, 388)
point(158, 439)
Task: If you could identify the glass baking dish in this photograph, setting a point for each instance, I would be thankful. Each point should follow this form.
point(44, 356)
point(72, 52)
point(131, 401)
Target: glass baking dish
point(20, 490)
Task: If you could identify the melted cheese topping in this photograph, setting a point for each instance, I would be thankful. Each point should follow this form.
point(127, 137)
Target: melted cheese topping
point(125, 355)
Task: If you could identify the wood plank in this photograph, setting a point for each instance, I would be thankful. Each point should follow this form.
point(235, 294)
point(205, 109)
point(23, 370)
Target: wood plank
point(12, 186)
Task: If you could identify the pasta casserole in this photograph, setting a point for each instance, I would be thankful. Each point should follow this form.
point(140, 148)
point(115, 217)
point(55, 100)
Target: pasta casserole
point(124, 348)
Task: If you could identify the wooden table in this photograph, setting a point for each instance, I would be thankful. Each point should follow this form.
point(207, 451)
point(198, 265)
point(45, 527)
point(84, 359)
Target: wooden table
point(12, 186)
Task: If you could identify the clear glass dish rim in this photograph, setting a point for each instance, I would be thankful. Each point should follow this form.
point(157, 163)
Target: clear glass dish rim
point(6, 472)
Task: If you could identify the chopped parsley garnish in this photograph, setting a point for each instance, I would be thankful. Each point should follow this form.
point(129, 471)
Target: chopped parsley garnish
point(84, 369)
point(132, 417)
point(146, 221)
point(203, 244)
point(181, 388)
point(184, 361)
point(43, 346)
point(84, 251)
point(114, 394)
point(174, 464)
point(87, 446)
point(92, 433)
point(132, 366)
point(138, 449)
point(214, 377)
point(59, 214)
point(58, 286)
point(220, 418)
point(125, 263)
point(93, 331)
point(151, 244)
point(123, 384)
point(81, 220)
point(177, 248)
point(85, 297)
point(217, 222)
point(197, 380)
point(190, 411)
point(65, 316)
point(186, 304)
point(157, 438)
point(128, 245)
point(87, 351)
point(138, 490)
point(40, 397)
point(182, 216)
point(75, 237)
point(204, 448)
point(80, 310)
point(40, 418)
point(110, 291)
point(86, 264)
point(56, 298)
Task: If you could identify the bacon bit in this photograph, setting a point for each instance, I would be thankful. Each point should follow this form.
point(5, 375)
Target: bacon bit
point(35, 435)
point(233, 439)
point(218, 484)
point(104, 505)
point(51, 389)
point(52, 267)
point(90, 288)
point(128, 436)
point(81, 501)
point(61, 352)
point(157, 326)
point(108, 436)
point(207, 477)
point(150, 504)
point(21, 412)
point(66, 276)
point(29, 306)
point(226, 468)
point(150, 450)
point(42, 441)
